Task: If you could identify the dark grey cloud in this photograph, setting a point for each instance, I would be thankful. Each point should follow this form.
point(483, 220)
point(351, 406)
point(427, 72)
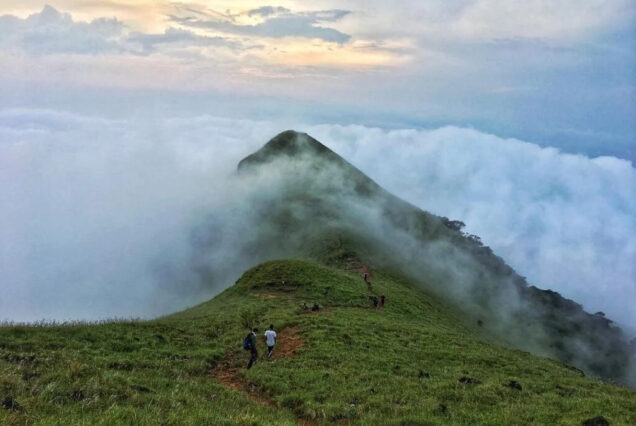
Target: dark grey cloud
point(150, 43)
point(328, 15)
point(278, 22)
point(267, 11)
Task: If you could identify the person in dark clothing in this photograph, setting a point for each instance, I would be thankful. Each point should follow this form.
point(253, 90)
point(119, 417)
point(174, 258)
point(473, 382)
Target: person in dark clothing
point(382, 300)
point(305, 307)
point(374, 299)
point(367, 280)
point(315, 307)
point(252, 344)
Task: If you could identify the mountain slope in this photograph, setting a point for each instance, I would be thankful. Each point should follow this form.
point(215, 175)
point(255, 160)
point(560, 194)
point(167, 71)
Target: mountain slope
point(320, 194)
point(403, 364)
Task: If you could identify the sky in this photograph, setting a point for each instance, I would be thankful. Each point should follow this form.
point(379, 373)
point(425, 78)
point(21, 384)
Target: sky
point(516, 117)
point(553, 73)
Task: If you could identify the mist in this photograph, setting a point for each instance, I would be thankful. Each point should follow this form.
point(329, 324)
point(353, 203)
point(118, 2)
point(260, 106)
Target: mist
point(566, 222)
point(98, 214)
point(107, 218)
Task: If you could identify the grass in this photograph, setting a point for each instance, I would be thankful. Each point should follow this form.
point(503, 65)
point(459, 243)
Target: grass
point(398, 365)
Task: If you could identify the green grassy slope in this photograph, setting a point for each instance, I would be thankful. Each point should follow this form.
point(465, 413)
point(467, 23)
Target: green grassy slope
point(312, 192)
point(348, 362)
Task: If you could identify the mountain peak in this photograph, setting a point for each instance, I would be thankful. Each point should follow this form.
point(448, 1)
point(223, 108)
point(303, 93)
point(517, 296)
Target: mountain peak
point(289, 143)
point(296, 146)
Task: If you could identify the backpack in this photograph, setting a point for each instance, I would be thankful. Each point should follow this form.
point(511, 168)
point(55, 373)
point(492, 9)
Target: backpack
point(247, 344)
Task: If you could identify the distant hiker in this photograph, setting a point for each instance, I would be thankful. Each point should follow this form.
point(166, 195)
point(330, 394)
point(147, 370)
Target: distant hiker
point(305, 307)
point(374, 299)
point(382, 300)
point(249, 344)
point(315, 307)
point(270, 337)
point(367, 280)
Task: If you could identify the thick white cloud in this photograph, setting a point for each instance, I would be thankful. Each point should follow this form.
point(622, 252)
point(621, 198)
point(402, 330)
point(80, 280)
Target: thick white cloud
point(97, 213)
point(567, 222)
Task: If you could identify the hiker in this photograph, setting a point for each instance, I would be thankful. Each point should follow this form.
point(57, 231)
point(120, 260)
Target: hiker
point(382, 300)
point(367, 280)
point(375, 301)
point(305, 307)
point(270, 338)
point(315, 307)
point(249, 344)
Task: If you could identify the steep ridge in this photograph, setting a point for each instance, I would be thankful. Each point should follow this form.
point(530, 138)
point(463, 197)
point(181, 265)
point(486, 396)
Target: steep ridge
point(323, 191)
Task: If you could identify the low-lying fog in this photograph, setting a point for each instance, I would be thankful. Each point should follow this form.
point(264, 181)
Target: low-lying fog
point(98, 216)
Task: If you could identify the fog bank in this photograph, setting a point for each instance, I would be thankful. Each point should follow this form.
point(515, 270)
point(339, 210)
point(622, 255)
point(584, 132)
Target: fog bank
point(100, 216)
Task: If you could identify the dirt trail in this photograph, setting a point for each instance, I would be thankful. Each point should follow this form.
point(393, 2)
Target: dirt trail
point(365, 273)
point(266, 296)
point(287, 343)
point(230, 379)
point(363, 269)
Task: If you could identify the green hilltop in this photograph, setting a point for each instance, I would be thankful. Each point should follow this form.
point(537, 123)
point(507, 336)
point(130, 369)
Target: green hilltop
point(427, 357)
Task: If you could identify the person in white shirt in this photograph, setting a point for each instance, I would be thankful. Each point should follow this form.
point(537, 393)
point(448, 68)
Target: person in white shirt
point(270, 336)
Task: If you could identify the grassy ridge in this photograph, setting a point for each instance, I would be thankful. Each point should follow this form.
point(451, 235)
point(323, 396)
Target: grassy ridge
point(399, 365)
point(322, 208)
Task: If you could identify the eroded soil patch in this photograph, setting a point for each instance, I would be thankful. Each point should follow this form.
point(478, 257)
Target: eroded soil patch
point(230, 378)
point(287, 344)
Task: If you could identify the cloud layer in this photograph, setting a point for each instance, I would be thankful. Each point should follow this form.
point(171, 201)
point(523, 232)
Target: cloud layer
point(51, 32)
point(276, 22)
point(566, 222)
point(97, 214)
point(100, 212)
point(557, 74)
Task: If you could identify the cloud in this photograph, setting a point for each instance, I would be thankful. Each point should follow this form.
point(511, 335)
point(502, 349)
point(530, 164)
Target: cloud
point(99, 214)
point(565, 21)
point(564, 221)
point(555, 74)
point(536, 19)
point(265, 11)
point(52, 32)
point(277, 22)
point(152, 42)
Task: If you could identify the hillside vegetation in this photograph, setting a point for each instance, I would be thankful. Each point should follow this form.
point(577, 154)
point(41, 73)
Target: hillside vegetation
point(414, 362)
